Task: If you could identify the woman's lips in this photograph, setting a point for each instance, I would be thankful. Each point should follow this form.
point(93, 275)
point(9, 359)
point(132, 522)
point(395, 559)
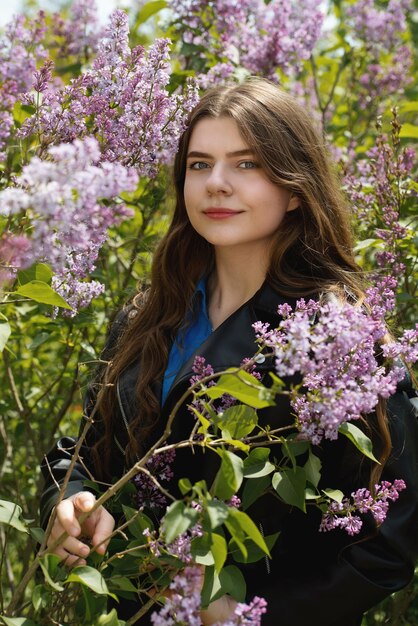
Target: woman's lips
point(220, 213)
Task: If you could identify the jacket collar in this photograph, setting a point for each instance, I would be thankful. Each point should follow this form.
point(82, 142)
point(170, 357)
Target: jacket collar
point(233, 340)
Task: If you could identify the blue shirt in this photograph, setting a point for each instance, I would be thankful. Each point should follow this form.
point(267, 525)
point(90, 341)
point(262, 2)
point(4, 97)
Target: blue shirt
point(188, 340)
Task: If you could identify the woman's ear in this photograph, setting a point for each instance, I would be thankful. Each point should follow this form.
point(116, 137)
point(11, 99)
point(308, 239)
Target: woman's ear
point(294, 203)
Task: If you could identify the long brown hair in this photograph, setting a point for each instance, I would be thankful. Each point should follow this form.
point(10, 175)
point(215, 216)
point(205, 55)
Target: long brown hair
point(312, 251)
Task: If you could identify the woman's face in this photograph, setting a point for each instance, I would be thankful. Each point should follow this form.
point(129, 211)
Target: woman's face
point(229, 199)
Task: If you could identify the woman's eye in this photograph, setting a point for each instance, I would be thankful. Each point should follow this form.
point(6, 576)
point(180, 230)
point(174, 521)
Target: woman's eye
point(198, 165)
point(247, 165)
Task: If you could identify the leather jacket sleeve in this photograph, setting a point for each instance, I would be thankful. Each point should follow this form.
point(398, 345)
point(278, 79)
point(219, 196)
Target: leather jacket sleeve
point(57, 461)
point(323, 582)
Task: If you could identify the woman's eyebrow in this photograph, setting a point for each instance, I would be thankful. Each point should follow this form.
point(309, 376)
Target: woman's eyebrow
point(206, 155)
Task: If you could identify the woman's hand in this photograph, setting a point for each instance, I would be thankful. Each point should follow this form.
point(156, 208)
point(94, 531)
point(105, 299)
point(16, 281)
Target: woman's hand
point(97, 527)
point(220, 610)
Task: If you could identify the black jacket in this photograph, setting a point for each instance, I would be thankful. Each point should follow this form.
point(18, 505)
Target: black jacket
point(316, 579)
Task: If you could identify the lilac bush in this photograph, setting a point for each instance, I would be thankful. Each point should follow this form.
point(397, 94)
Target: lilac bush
point(89, 113)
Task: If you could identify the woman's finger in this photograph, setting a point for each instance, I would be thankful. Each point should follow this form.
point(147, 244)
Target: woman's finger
point(76, 547)
point(66, 516)
point(104, 528)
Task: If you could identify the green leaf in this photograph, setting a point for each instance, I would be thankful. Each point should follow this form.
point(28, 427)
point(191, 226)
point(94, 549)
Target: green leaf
point(148, 10)
point(37, 533)
point(310, 494)
point(10, 514)
point(185, 486)
point(368, 243)
point(205, 423)
point(229, 477)
point(312, 469)
point(249, 529)
point(49, 565)
point(253, 489)
point(39, 339)
point(41, 292)
point(5, 331)
point(254, 553)
point(91, 578)
point(235, 443)
point(233, 582)
point(334, 494)
point(110, 619)
point(242, 386)
point(406, 107)
point(219, 551)
point(290, 485)
point(40, 271)
point(257, 464)
point(40, 597)
point(360, 440)
point(121, 584)
point(177, 520)
point(238, 420)
point(217, 512)
point(17, 621)
point(211, 586)
point(409, 131)
point(201, 550)
point(139, 522)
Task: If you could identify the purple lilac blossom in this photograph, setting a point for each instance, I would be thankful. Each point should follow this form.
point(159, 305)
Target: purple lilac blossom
point(379, 184)
point(332, 346)
point(258, 36)
point(148, 494)
point(341, 514)
point(180, 547)
point(382, 31)
point(78, 34)
point(183, 604)
point(247, 614)
point(63, 199)
point(124, 96)
point(14, 255)
point(20, 50)
point(377, 25)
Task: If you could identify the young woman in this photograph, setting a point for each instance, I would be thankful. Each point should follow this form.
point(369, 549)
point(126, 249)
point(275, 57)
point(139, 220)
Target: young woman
point(259, 221)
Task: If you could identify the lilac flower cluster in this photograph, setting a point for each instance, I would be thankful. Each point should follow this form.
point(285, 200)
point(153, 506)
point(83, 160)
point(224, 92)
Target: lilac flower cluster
point(341, 514)
point(331, 345)
point(62, 200)
point(382, 31)
point(247, 614)
point(180, 547)
point(79, 34)
point(14, 254)
point(183, 603)
point(258, 36)
point(374, 24)
point(378, 185)
point(20, 50)
point(148, 494)
point(123, 97)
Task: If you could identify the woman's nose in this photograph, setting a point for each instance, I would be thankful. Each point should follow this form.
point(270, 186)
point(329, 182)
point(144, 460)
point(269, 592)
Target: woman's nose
point(218, 180)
